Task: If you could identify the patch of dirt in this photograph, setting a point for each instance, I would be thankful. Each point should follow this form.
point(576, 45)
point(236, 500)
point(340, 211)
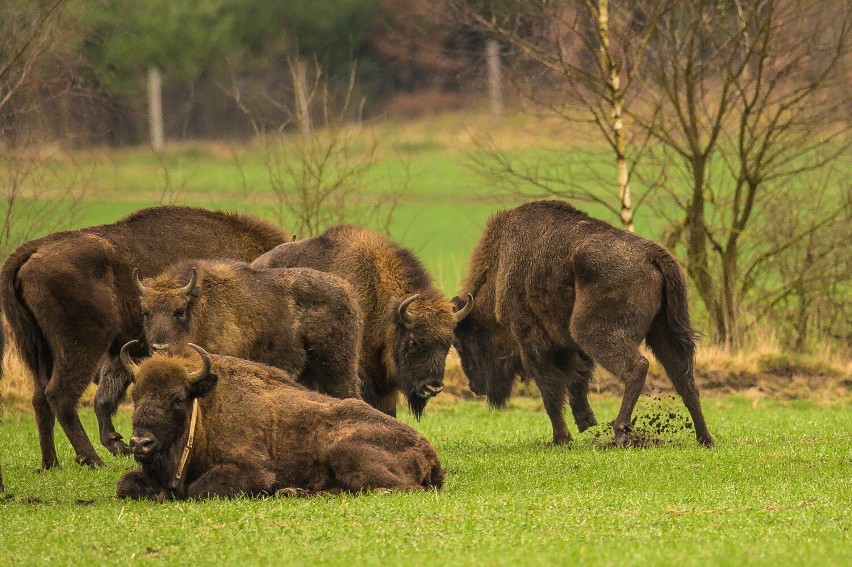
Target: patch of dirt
point(657, 420)
point(763, 375)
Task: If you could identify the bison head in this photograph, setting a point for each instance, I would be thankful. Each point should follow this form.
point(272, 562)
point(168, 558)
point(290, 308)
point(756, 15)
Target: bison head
point(167, 309)
point(422, 336)
point(163, 392)
point(487, 361)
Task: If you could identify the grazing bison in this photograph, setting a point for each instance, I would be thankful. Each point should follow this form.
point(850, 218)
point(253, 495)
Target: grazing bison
point(300, 320)
point(408, 324)
point(239, 427)
point(71, 304)
point(555, 290)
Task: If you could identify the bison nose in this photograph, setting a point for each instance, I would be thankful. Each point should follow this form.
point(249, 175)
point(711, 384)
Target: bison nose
point(431, 389)
point(159, 347)
point(142, 445)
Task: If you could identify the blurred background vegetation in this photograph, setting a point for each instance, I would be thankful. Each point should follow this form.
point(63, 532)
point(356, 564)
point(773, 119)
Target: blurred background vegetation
point(719, 129)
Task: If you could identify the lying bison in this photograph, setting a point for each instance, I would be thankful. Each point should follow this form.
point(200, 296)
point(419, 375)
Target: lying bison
point(408, 324)
point(239, 427)
point(555, 290)
point(300, 320)
point(70, 303)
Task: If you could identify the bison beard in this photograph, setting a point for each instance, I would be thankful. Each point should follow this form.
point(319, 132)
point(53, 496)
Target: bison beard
point(259, 432)
point(70, 305)
point(557, 291)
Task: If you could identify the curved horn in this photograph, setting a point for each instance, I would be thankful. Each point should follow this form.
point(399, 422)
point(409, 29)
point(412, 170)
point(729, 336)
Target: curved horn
point(205, 358)
point(137, 283)
point(403, 309)
point(187, 289)
point(464, 311)
point(128, 363)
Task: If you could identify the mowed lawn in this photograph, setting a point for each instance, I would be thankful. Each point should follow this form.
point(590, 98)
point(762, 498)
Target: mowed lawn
point(777, 490)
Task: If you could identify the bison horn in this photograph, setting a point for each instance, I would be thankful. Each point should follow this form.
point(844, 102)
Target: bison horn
point(205, 358)
point(128, 363)
point(188, 288)
point(136, 282)
point(403, 309)
point(464, 311)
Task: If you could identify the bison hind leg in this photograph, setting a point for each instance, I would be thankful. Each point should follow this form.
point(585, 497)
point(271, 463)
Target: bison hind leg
point(678, 367)
point(362, 467)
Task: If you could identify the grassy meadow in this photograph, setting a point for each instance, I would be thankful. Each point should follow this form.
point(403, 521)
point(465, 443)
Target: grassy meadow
point(777, 489)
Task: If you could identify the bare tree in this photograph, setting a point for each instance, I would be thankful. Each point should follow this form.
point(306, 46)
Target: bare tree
point(594, 51)
point(797, 267)
point(38, 193)
point(325, 175)
point(741, 105)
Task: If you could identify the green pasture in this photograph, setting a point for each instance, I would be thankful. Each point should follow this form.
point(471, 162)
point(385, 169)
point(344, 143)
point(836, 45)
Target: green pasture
point(777, 490)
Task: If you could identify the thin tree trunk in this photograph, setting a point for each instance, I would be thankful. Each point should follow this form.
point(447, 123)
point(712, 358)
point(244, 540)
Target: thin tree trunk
point(697, 259)
point(617, 103)
point(299, 70)
point(495, 79)
point(729, 301)
point(155, 109)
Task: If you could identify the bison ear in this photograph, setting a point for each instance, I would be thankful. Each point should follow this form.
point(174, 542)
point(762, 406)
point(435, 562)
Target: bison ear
point(202, 387)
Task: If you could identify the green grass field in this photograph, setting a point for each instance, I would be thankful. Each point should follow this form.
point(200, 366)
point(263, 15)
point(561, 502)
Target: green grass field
point(777, 490)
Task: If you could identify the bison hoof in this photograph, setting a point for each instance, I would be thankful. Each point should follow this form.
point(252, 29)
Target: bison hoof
point(292, 492)
point(89, 461)
point(118, 447)
point(621, 439)
point(584, 425)
point(562, 439)
point(707, 441)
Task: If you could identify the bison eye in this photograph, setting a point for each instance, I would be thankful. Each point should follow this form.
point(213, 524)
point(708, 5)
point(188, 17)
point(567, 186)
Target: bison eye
point(412, 343)
point(145, 313)
point(177, 401)
point(180, 313)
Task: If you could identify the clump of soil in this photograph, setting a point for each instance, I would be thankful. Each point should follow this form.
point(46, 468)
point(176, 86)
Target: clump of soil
point(657, 420)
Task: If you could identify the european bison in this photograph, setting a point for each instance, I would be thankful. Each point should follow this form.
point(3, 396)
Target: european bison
point(71, 304)
point(239, 427)
point(554, 290)
point(300, 320)
point(408, 324)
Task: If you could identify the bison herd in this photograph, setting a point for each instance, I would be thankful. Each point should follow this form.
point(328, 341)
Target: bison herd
point(311, 342)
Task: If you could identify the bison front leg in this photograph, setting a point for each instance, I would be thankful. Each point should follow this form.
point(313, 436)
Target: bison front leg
point(229, 480)
point(135, 484)
point(552, 386)
point(112, 386)
point(578, 369)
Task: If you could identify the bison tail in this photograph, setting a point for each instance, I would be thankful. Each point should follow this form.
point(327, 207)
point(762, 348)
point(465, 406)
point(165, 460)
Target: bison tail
point(674, 314)
point(27, 335)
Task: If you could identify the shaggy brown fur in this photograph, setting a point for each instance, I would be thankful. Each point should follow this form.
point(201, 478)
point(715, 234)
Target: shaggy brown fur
point(70, 303)
point(260, 432)
point(298, 319)
point(554, 290)
point(394, 355)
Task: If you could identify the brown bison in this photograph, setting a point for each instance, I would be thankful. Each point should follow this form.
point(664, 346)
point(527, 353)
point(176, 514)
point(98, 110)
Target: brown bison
point(300, 320)
point(238, 427)
point(408, 324)
point(71, 304)
point(554, 290)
